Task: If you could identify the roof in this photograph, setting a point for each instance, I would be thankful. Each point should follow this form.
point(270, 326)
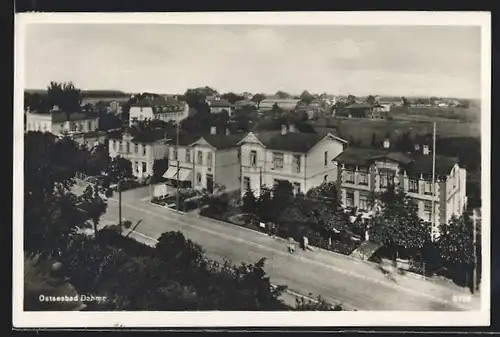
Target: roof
point(186, 138)
point(61, 116)
point(220, 103)
point(413, 163)
point(245, 102)
point(222, 142)
point(423, 164)
point(359, 106)
point(291, 141)
point(160, 102)
point(151, 136)
point(280, 100)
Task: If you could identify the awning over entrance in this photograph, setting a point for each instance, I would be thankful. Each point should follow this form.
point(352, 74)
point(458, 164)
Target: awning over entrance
point(171, 172)
point(184, 174)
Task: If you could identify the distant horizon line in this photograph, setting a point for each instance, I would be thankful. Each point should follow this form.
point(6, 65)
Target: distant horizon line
point(267, 94)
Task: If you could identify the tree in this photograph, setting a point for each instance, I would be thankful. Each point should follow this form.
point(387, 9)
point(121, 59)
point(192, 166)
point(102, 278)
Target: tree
point(35, 102)
point(65, 96)
point(52, 214)
point(264, 205)
point(98, 161)
point(119, 169)
point(160, 166)
point(249, 202)
point(282, 94)
point(456, 243)
point(231, 97)
point(405, 101)
point(245, 118)
point(258, 98)
point(276, 110)
point(351, 99)
point(283, 196)
point(373, 143)
point(306, 97)
point(319, 305)
point(370, 99)
point(174, 248)
point(94, 206)
point(397, 225)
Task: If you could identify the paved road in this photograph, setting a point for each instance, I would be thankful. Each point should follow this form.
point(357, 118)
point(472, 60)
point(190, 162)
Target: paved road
point(356, 284)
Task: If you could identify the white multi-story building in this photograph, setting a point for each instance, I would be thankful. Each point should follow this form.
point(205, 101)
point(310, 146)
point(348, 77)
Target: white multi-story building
point(142, 150)
point(363, 171)
point(303, 159)
point(209, 160)
point(160, 109)
point(82, 127)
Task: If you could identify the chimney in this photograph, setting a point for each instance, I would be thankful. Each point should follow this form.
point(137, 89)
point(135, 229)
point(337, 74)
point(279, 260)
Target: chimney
point(284, 129)
point(387, 143)
point(228, 132)
point(291, 128)
point(213, 130)
point(425, 149)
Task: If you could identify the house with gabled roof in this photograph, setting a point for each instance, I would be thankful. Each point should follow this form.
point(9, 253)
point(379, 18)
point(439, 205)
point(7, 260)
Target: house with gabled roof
point(362, 171)
point(303, 159)
point(203, 161)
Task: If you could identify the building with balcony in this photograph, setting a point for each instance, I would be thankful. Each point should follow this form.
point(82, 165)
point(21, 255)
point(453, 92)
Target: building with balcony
point(362, 172)
point(141, 149)
point(303, 159)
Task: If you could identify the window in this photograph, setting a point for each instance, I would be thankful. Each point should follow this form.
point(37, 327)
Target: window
point(363, 177)
point(144, 167)
point(73, 127)
point(326, 158)
point(413, 185)
point(428, 187)
point(427, 211)
point(296, 163)
point(325, 178)
point(136, 166)
point(127, 147)
point(89, 125)
point(80, 127)
point(144, 150)
point(363, 202)
point(246, 183)
point(253, 158)
point(386, 178)
point(349, 201)
point(209, 159)
point(198, 178)
point(349, 177)
point(296, 188)
point(136, 148)
point(188, 156)
point(277, 160)
point(200, 158)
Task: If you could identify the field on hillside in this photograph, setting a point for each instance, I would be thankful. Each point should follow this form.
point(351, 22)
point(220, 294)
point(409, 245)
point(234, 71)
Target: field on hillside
point(471, 114)
point(363, 129)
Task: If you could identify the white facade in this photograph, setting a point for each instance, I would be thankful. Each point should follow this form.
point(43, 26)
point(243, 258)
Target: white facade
point(58, 124)
point(262, 166)
point(142, 155)
point(175, 113)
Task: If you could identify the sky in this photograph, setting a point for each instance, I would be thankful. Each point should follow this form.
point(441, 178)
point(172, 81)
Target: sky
point(441, 61)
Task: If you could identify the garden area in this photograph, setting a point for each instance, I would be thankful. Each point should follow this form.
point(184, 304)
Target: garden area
point(315, 215)
point(188, 199)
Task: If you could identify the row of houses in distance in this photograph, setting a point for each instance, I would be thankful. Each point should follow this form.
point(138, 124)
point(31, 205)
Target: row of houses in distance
point(250, 161)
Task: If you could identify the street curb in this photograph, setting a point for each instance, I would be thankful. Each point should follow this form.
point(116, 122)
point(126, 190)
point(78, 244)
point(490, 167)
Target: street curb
point(166, 207)
point(373, 264)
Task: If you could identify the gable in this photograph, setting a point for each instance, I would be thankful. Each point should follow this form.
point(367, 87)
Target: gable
point(251, 139)
point(329, 138)
point(202, 142)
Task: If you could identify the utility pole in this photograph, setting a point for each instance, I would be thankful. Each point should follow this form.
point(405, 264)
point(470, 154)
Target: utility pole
point(433, 220)
point(120, 204)
point(474, 248)
point(178, 168)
